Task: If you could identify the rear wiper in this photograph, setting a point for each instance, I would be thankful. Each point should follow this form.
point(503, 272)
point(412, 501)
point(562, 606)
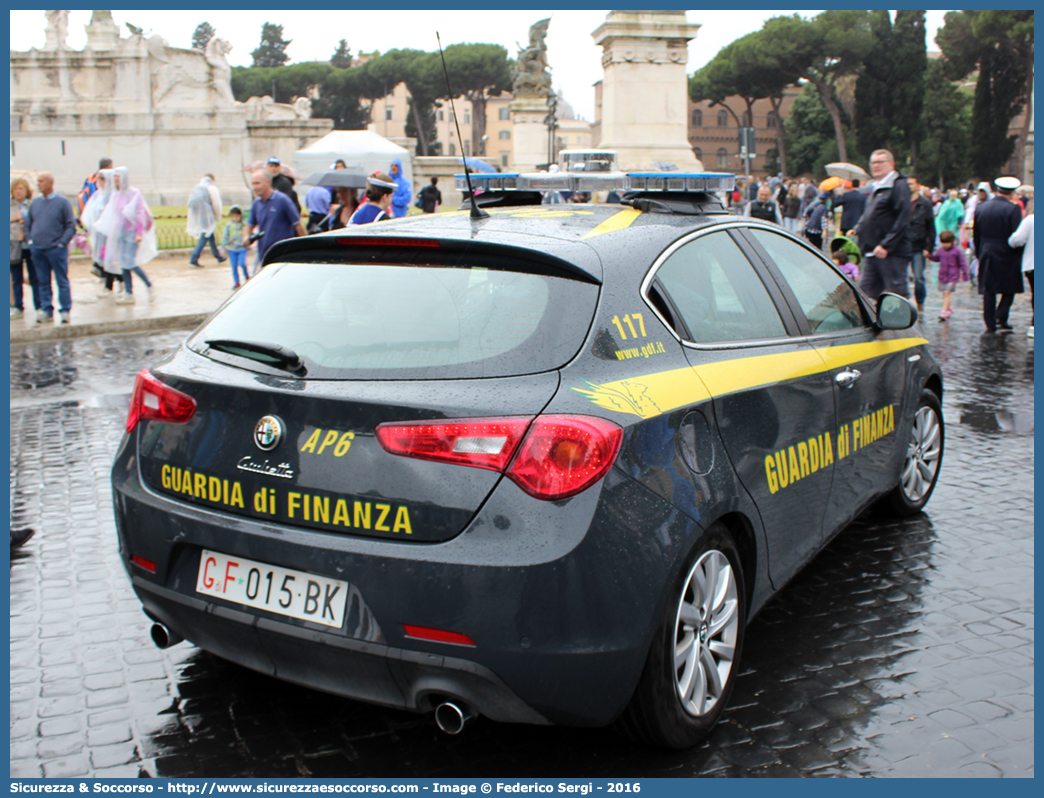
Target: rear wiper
point(274, 355)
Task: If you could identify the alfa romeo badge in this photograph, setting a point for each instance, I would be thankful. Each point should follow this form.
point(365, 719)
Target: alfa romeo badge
point(268, 432)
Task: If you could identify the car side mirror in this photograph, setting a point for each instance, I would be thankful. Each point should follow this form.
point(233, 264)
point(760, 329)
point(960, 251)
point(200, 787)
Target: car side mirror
point(895, 313)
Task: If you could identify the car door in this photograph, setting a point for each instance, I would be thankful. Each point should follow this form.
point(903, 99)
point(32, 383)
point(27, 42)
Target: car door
point(868, 368)
point(773, 404)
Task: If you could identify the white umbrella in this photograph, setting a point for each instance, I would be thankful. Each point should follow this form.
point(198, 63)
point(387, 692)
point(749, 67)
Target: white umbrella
point(846, 171)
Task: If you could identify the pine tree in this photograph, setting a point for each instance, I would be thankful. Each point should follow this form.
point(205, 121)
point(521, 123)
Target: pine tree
point(342, 57)
point(272, 50)
point(202, 36)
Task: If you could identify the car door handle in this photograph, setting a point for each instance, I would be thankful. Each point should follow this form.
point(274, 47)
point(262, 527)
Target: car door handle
point(848, 377)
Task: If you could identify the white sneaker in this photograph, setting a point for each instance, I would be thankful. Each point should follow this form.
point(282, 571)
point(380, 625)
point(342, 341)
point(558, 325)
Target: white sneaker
point(43, 318)
point(125, 299)
point(16, 314)
point(65, 318)
point(151, 290)
point(1029, 331)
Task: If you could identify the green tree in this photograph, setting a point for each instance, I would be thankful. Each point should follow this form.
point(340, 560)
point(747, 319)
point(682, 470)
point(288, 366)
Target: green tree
point(342, 57)
point(272, 50)
point(477, 71)
point(889, 94)
point(999, 44)
point(811, 143)
point(284, 83)
point(202, 35)
point(946, 124)
point(822, 51)
point(422, 73)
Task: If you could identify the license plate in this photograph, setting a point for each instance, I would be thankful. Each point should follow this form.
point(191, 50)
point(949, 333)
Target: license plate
point(271, 588)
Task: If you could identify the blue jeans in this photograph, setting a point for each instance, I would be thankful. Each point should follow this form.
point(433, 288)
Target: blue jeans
point(920, 291)
point(56, 260)
point(238, 258)
point(16, 279)
point(128, 249)
point(204, 238)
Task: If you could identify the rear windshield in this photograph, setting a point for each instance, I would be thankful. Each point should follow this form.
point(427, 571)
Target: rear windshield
point(372, 321)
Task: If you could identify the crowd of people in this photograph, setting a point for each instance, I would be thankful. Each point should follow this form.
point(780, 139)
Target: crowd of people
point(882, 234)
point(886, 233)
point(114, 224)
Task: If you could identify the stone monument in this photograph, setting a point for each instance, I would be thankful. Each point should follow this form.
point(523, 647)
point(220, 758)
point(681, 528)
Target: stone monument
point(645, 89)
point(529, 108)
point(166, 113)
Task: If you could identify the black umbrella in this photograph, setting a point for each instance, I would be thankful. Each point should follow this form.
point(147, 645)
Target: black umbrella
point(339, 178)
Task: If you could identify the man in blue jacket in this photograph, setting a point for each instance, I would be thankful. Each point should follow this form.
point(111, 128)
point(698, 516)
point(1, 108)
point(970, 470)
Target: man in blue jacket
point(882, 230)
point(403, 191)
point(50, 226)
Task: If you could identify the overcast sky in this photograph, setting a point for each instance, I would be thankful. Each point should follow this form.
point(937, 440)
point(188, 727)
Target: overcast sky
point(575, 60)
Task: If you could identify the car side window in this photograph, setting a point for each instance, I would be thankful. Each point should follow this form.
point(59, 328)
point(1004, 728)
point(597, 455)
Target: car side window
point(717, 292)
point(828, 302)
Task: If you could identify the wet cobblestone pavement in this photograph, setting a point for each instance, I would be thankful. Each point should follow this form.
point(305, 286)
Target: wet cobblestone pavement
point(903, 649)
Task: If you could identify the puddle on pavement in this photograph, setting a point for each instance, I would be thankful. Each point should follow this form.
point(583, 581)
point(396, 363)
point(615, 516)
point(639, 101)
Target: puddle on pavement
point(997, 420)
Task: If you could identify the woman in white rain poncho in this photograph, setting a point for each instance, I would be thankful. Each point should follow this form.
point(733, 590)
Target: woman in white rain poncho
point(130, 234)
point(90, 218)
point(204, 212)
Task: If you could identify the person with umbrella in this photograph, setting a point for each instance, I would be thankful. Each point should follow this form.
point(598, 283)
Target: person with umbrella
point(400, 204)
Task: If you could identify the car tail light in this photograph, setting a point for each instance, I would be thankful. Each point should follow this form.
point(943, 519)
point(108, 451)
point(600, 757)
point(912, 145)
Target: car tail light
point(374, 241)
point(558, 457)
point(438, 635)
point(563, 455)
point(480, 442)
point(155, 400)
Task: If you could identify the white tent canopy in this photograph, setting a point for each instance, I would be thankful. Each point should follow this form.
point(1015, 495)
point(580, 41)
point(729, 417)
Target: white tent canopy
point(362, 151)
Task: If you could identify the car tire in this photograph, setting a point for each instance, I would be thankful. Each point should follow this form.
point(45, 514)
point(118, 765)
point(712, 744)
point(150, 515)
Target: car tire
point(924, 452)
point(679, 698)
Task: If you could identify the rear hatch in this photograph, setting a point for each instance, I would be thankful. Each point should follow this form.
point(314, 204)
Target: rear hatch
point(292, 377)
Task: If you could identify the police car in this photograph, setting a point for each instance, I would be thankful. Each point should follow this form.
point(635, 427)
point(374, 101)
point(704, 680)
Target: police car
point(540, 463)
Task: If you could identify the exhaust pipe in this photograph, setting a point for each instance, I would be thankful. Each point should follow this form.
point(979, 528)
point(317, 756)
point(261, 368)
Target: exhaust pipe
point(452, 718)
point(164, 637)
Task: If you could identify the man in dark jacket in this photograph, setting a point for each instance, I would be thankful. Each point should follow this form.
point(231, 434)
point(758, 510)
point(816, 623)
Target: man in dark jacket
point(882, 230)
point(1000, 266)
point(853, 203)
point(921, 234)
point(281, 182)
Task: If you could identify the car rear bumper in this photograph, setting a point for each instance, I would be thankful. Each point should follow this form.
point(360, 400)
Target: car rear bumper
point(561, 599)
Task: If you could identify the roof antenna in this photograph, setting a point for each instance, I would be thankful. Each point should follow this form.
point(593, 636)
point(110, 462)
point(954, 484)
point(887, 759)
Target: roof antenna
point(476, 212)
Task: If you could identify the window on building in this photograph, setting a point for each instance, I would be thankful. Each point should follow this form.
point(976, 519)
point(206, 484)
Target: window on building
point(505, 135)
point(441, 116)
point(697, 118)
point(723, 156)
point(748, 120)
point(453, 148)
point(388, 114)
point(467, 118)
point(723, 119)
point(467, 148)
point(503, 159)
point(505, 113)
point(698, 153)
point(770, 120)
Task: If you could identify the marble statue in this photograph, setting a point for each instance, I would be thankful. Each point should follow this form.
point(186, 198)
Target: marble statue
point(216, 54)
point(57, 30)
point(532, 75)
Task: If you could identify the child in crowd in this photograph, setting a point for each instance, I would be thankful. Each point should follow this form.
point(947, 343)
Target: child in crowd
point(844, 264)
point(232, 241)
point(952, 269)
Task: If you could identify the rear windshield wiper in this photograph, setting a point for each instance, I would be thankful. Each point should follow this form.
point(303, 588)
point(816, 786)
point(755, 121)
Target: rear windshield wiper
point(274, 355)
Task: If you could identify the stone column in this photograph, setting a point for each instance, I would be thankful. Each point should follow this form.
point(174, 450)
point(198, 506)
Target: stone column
point(645, 88)
point(529, 133)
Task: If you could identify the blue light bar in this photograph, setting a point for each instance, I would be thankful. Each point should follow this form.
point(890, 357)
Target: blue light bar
point(679, 182)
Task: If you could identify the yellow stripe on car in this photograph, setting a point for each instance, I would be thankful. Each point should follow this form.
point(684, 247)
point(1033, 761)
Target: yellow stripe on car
point(618, 221)
point(650, 395)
